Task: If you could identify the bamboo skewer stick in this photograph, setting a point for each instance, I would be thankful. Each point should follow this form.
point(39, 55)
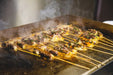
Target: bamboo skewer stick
point(72, 63)
point(103, 47)
point(57, 59)
point(108, 39)
point(100, 51)
point(70, 38)
point(105, 44)
point(85, 60)
point(28, 52)
point(89, 57)
point(67, 40)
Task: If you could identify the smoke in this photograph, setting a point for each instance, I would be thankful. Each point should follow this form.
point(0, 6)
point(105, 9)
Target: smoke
point(54, 8)
point(67, 7)
point(51, 10)
point(3, 25)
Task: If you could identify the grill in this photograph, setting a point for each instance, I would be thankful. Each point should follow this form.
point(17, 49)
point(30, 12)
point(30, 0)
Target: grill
point(99, 56)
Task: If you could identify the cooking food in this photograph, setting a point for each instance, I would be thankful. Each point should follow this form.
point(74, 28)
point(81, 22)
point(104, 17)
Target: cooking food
point(62, 41)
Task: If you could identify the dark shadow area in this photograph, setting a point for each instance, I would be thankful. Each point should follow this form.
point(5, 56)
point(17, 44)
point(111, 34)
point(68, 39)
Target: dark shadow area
point(105, 11)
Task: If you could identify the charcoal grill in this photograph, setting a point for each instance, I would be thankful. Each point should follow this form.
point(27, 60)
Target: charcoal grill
point(104, 55)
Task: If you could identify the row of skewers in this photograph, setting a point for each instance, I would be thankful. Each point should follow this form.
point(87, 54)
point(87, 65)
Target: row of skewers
point(62, 43)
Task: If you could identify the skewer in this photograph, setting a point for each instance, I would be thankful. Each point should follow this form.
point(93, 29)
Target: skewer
point(69, 38)
point(89, 57)
point(65, 41)
point(103, 52)
point(57, 59)
point(105, 44)
point(108, 39)
point(103, 47)
point(101, 40)
point(72, 63)
point(85, 55)
point(77, 56)
point(66, 38)
point(100, 51)
point(92, 49)
point(28, 52)
point(84, 58)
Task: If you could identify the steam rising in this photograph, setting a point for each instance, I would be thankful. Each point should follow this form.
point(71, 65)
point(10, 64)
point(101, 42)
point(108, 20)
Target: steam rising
point(55, 8)
point(3, 25)
point(51, 10)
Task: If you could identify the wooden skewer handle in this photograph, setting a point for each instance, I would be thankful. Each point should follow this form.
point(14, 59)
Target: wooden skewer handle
point(72, 63)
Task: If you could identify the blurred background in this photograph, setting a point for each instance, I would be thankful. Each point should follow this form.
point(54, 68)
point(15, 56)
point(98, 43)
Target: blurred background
point(19, 12)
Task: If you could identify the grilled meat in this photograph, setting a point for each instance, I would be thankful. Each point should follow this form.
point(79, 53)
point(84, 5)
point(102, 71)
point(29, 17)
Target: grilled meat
point(39, 43)
point(90, 37)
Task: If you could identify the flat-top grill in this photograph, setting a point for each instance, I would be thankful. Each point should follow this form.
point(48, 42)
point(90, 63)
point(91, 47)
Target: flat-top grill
point(99, 56)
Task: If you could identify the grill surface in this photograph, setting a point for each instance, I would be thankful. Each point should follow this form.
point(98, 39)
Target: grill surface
point(25, 64)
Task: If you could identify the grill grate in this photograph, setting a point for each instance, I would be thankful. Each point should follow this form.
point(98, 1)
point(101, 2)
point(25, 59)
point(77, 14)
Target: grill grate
point(95, 56)
point(107, 46)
